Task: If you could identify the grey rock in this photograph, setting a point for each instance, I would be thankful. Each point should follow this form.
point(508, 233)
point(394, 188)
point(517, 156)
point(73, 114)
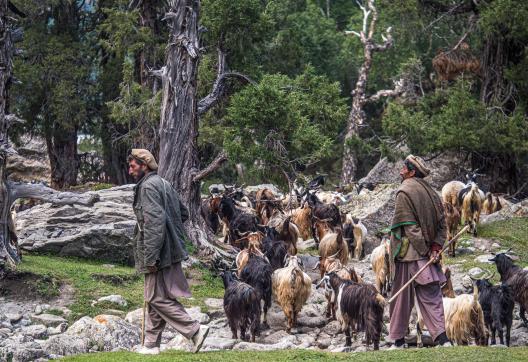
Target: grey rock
point(475, 272)
point(38, 309)
point(61, 328)
point(14, 317)
point(484, 259)
point(312, 321)
point(115, 299)
point(103, 231)
point(246, 346)
point(214, 303)
point(37, 331)
point(279, 336)
point(196, 313)
point(49, 320)
point(179, 343)
point(66, 345)
point(107, 331)
point(215, 344)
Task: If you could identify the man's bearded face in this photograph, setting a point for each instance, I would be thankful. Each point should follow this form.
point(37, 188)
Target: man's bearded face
point(136, 170)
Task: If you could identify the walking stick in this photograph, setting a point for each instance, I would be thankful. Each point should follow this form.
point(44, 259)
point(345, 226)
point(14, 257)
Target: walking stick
point(464, 229)
point(143, 323)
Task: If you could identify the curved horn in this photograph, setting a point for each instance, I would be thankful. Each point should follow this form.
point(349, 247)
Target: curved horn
point(317, 265)
point(336, 254)
point(488, 276)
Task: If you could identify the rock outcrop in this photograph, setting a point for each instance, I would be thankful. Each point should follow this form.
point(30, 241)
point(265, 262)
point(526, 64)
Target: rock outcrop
point(103, 231)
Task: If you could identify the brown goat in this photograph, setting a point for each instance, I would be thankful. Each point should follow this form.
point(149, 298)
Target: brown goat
point(302, 217)
point(450, 64)
point(471, 208)
point(287, 230)
point(450, 192)
point(452, 216)
point(266, 203)
point(491, 204)
point(332, 244)
point(242, 257)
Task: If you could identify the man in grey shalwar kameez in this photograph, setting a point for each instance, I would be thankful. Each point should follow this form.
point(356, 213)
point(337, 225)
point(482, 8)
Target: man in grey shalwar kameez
point(158, 252)
point(418, 233)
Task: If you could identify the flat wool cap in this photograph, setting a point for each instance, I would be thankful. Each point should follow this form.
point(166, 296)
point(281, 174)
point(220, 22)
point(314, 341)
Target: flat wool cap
point(419, 163)
point(145, 156)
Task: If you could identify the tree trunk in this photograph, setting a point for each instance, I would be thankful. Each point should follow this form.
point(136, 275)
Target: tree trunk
point(179, 162)
point(64, 162)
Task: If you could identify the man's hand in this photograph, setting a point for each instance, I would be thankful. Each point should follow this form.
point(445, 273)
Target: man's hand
point(436, 256)
point(152, 268)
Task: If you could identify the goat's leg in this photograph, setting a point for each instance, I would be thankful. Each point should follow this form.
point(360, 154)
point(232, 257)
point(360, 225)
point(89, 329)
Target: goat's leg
point(233, 328)
point(265, 324)
point(328, 307)
point(501, 335)
point(348, 340)
point(243, 327)
point(493, 340)
point(289, 323)
point(508, 330)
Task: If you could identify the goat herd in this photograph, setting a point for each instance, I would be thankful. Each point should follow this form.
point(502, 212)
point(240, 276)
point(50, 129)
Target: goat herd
point(268, 266)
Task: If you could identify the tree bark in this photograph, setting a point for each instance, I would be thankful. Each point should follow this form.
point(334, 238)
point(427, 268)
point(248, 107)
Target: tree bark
point(357, 116)
point(179, 161)
point(62, 152)
point(9, 192)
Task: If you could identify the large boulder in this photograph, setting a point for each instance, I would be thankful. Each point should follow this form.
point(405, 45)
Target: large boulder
point(444, 168)
point(375, 209)
point(103, 231)
point(107, 332)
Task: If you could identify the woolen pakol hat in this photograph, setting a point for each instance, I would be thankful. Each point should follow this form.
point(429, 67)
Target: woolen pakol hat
point(145, 156)
point(419, 163)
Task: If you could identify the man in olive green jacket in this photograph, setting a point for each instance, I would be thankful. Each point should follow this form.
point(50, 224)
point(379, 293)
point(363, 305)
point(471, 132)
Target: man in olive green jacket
point(158, 252)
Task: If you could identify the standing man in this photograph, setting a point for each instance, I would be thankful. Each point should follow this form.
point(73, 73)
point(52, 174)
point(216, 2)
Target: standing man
point(158, 251)
point(418, 233)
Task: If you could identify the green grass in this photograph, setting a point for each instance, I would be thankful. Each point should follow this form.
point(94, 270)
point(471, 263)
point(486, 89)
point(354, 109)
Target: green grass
point(511, 233)
point(90, 281)
point(426, 355)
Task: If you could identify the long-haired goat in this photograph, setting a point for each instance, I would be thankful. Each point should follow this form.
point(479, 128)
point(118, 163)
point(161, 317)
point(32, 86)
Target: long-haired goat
point(332, 264)
point(302, 217)
point(449, 64)
point(266, 203)
point(354, 233)
point(517, 278)
point(241, 306)
point(237, 221)
point(452, 216)
point(274, 249)
point(242, 258)
point(380, 260)
point(497, 304)
point(491, 204)
point(288, 231)
point(209, 210)
point(257, 273)
point(471, 202)
point(332, 244)
point(291, 288)
point(322, 211)
point(450, 192)
point(359, 307)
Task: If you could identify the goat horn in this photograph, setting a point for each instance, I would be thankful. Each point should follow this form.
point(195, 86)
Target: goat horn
point(488, 277)
point(318, 285)
point(335, 255)
point(316, 265)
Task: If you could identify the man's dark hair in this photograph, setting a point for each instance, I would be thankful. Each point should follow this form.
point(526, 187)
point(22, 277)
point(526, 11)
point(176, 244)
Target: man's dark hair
point(138, 161)
point(411, 167)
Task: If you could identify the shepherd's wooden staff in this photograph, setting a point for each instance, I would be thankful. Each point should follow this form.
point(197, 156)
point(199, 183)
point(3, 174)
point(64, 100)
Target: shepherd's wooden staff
point(428, 263)
point(143, 323)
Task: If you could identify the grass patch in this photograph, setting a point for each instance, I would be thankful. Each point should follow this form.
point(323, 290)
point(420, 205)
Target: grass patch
point(91, 280)
point(511, 233)
point(312, 250)
point(426, 355)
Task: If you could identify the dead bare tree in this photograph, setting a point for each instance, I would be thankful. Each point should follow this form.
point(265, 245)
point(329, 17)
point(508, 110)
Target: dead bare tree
point(179, 161)
point(9, 191)
point(357, 116)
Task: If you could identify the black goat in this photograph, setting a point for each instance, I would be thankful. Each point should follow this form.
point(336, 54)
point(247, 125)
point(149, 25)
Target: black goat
point(237, 221)
point(359, 307)
point(257, 273)
point(209, 210)
point(497, 304)
point(242, 306)
point(517, 278)
point(322, 211)
point(274, 248)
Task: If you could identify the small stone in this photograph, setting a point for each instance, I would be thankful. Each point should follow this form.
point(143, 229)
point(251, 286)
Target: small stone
point(108, 266)
point(475, 272)
point(61, 328)
point(24, 322)
point(115, 298)
point(495, 246)
point(196, 313)
point(361, 349)
point(14, 317)
point(484, 259)
point(49, 320)
point(498, 346)
point(214, 344)
point(38, 309)
point(115, 312)
point(214, 303)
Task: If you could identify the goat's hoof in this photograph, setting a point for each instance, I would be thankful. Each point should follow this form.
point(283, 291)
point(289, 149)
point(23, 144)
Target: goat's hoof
point(419, 345)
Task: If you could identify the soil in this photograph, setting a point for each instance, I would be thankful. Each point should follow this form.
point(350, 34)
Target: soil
point(25, 286)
